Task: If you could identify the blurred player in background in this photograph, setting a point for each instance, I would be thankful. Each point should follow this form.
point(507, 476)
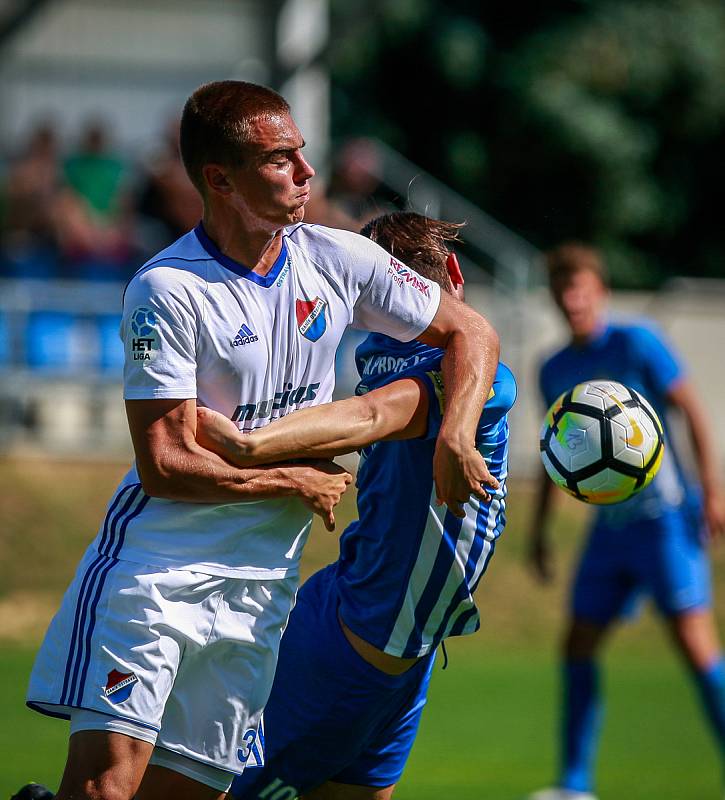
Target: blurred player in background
point(654, 542)
point(164, 649)
point(356, 658)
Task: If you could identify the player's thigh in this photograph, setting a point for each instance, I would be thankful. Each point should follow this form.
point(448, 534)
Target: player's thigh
point(695, 635)
point(213, 715)
point(605, 586)
point(103, 766)
point(160, 782)
point(345, 791)
point(115, 645)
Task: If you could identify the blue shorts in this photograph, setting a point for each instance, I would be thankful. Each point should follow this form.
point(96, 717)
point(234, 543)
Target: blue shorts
point(331, 715)
point(664, 557)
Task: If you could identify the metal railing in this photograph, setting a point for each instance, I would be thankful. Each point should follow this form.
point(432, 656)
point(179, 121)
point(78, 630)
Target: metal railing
point(514, 262)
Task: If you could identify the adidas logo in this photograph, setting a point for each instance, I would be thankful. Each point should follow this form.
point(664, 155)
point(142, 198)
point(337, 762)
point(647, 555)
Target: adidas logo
point(245, 336)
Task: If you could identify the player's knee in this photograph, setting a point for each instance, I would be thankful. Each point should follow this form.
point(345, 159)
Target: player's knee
point(581, 641)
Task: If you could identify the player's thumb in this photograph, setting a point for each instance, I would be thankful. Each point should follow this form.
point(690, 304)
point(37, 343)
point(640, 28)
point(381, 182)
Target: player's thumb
point(330, 521)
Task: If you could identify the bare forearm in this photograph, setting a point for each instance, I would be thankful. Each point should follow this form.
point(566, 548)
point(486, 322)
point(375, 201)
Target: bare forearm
point(469, 368)
point(172, 465)
point(705, 452)
point(196, 475)
point(324, 431)
point(398, 410)
point(684, 397)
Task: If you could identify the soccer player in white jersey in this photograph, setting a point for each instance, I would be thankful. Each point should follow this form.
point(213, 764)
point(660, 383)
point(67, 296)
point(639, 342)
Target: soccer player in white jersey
point(163, 651)
point(345, 705)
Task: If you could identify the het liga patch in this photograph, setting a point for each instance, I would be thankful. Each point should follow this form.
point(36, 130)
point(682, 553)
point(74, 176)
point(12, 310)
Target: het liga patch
point(143, 341)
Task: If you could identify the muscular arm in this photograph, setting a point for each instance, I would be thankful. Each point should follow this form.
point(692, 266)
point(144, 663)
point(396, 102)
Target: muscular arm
point(396, 411)
point(469, 367)
point(683, 396)
point(174, 466)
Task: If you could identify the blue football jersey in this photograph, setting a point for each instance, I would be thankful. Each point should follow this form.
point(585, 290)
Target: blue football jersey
point(636, 355)
point(408, 568)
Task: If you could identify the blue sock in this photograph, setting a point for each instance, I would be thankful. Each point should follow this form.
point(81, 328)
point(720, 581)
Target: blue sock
point(711, 685)
point(581, 724)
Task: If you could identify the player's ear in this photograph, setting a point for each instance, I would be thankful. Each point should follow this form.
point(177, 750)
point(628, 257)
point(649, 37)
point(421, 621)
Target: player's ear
point(215, 177)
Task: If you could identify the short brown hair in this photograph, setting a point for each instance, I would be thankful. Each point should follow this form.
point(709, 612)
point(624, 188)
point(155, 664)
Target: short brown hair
point(215, 124)
point(570, 258)
point(419, 241)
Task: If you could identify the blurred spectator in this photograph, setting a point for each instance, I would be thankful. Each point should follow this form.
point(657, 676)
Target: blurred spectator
point(95, 174)
point(167, 196)
point(29, 197)
point(94, 215)
point(355, 186)
point(355, 193)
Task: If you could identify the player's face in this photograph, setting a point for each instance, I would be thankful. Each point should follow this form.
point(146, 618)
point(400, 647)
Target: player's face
point(582, 301)
point(272, 186)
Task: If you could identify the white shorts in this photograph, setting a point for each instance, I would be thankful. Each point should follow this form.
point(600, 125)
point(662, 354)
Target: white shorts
point(187, 656)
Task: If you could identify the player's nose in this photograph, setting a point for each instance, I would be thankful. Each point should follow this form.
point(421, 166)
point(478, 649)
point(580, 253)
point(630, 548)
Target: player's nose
point(304, 170)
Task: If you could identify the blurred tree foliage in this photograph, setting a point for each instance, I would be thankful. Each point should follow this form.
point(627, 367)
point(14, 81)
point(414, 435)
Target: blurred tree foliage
point(601, 120)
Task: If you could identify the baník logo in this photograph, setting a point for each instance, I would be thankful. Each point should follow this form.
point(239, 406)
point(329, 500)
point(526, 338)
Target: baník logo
point(119, 686)
point(311, 318)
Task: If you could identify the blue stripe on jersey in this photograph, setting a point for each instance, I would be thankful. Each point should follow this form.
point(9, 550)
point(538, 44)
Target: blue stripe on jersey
point(407, 569)
point(90, 575)
point(92, 587)
point(71, 669)
point(86, 643)
point(434, 587)
point(109, 515)
point(461, 623)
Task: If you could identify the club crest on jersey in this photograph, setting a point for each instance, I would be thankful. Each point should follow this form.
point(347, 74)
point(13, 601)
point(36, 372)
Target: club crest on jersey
point(311, 318)
point(245, 336)
point(119, 685)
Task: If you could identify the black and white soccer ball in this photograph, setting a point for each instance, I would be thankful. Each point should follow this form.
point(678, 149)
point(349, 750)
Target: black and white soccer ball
point(601, 442)
point(143, 321)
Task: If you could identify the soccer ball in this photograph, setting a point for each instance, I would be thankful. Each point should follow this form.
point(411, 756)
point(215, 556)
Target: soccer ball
point(143, 321)
point(601, 442)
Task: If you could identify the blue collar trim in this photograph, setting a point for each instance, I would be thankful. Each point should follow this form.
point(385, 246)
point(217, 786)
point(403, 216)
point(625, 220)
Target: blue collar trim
point(244, 272)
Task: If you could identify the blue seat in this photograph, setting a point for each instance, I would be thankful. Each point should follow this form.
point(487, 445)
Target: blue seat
point(110, 344)
point(5, 346)
point(53, 341)
point(39, 262)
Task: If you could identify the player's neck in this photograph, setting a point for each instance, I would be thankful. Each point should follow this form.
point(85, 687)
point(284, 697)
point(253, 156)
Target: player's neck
point(584, 338)
point(254, 247)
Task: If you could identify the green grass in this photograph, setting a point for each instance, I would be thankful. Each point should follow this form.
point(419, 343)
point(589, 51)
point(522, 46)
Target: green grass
point(488, 731)
point(33, 747)
point(489, 728)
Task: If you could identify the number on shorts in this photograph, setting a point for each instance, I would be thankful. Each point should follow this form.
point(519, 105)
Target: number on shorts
point(278, 791)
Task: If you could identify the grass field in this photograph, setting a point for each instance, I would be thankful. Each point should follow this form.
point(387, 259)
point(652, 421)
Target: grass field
point(488, 731)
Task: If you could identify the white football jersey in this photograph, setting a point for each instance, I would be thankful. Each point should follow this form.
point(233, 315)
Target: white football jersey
point(197, 324)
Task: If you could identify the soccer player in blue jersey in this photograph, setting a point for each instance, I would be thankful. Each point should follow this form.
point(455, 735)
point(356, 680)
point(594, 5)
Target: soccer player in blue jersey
point(356, 657)
point(653, 543)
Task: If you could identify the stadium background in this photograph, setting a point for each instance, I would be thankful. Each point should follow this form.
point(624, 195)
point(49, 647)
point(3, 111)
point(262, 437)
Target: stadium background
point(533, 122)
